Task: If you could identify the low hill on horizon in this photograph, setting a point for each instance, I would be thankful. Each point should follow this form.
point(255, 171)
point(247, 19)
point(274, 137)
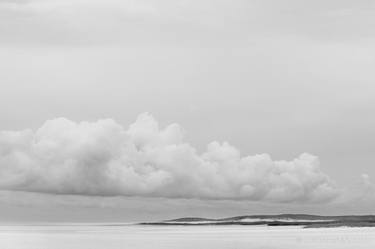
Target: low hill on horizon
point(304, 220)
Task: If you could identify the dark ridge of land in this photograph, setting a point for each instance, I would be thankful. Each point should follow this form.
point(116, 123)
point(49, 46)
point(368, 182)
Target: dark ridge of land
point(305, 220)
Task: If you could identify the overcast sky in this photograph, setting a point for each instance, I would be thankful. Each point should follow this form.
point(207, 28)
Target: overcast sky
point(116, 110)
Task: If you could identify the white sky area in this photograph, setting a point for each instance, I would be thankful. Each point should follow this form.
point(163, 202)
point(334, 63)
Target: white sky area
point(254, 107)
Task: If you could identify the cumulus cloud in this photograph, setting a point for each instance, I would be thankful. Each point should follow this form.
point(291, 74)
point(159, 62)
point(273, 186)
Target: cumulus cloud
point(368, 186)
point(366, 180)
point(104, 158)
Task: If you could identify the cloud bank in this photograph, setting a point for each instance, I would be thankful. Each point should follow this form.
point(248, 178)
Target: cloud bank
point(103, 158)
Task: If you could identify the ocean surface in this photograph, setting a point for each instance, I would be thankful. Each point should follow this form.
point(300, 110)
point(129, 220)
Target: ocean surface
point(111, 236)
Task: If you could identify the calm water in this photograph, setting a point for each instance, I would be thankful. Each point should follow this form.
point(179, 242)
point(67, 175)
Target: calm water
point(205, 237)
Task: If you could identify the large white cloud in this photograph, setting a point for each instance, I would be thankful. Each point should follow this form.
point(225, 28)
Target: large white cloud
point(103, 158)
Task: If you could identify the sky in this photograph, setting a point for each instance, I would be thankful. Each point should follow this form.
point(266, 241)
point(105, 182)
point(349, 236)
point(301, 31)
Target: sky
point(151, 109)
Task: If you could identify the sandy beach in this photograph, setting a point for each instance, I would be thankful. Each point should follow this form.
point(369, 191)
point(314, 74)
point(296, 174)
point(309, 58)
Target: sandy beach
point(110, 236)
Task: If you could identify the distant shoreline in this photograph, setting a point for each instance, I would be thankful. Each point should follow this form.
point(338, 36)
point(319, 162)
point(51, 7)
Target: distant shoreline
point(304, 220)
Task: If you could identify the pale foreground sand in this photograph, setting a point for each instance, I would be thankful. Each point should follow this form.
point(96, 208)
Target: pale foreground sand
point(167, 237)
